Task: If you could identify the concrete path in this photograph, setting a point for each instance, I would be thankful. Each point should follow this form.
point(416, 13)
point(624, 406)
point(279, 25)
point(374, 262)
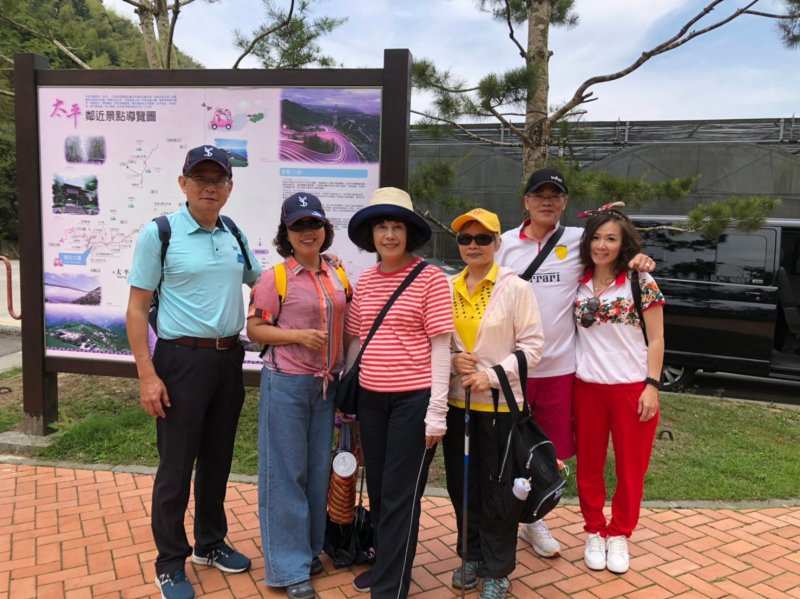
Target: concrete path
point(77, 534)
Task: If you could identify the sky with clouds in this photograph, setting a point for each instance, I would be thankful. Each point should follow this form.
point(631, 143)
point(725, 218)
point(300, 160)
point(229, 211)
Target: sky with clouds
point(738, 71)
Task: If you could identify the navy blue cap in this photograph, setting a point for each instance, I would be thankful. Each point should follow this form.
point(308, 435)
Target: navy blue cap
point(301, 205)
point(211, 153)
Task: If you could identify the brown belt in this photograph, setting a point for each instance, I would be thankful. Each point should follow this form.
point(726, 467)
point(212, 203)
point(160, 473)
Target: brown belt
point(220, 343)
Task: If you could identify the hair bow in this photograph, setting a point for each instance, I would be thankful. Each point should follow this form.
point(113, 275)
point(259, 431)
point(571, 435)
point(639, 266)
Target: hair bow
point(610, 207)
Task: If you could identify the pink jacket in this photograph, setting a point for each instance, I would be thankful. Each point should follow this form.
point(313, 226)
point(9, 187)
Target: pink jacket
point(511, 322)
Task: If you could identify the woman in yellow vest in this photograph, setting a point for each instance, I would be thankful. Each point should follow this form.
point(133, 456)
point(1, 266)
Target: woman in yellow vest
point(297, 309)
point(495, 314)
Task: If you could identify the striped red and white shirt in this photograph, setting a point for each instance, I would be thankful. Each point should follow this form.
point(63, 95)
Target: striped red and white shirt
point(398, 358)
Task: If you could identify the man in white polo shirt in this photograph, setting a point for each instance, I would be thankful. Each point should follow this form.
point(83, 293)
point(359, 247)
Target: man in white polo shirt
point(555, 283)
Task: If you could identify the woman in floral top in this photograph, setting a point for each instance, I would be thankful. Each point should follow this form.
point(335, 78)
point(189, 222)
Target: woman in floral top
point(617, 384)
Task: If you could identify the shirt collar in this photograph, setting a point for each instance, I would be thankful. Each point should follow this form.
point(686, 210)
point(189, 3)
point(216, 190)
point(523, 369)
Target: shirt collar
point(193, 225)
point(296, 268)
point(589, 273)
point(524, 236)
point(460, 282)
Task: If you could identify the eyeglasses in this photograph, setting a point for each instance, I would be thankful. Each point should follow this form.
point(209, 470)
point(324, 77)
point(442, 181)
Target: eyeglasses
point(590, 310)
point(548, 198)
point(306, 224)
point(208, 182)
point(481, 239)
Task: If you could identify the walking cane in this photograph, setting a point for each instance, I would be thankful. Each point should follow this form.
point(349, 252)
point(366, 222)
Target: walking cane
point(467, 393)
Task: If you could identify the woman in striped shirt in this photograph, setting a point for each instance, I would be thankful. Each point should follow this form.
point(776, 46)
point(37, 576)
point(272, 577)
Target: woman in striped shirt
point(404, 380)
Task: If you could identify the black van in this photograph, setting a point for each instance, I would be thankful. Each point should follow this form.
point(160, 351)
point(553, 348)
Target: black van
point(733, 305)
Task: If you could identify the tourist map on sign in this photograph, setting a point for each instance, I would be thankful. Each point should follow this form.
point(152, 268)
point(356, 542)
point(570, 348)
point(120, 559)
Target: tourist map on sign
point(110, 160)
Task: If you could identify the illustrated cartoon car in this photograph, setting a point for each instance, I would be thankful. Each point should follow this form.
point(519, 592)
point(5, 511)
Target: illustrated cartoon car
point(222, 118)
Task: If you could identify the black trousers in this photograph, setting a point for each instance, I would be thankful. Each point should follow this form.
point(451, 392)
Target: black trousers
point(491, 537)
point(206, 392)
point(393, 438)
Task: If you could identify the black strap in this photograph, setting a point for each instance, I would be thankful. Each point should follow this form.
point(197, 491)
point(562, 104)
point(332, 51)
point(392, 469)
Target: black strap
point(238, 235)
point(164, 235)
point(505, 387)
point(636, 292)
point(540, 257)
point(382, 314)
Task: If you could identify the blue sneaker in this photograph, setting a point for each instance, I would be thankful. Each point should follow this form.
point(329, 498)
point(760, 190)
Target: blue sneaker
point(222, 558)
point(174, 585)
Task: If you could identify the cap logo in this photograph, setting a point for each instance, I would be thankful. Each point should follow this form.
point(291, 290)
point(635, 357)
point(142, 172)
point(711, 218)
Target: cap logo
point(556, 178)
point(302, 201)
point(209, 152)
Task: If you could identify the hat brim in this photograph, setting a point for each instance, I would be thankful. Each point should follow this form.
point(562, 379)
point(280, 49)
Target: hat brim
point(190, 167)
point(533, 188)
point(297, 215)
point(459, 222)
point(360, 232)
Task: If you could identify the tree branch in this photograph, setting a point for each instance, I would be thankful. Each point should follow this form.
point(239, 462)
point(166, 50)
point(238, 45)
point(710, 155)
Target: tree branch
point(139, 5)
point(452, 90)
point(7, 59)
point(176, 9)
point(426, 214)
point(770, 15)
point(52, 40)
point(466, 131)
point(683, 36)
point(515, 130)
point(260, 37)
point(6, 93)
point(522, 52)
point(181, 4)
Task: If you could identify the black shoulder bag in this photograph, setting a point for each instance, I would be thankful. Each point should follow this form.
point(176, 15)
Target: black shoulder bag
point(347, 391)
point(527, 453)
point(540, 257)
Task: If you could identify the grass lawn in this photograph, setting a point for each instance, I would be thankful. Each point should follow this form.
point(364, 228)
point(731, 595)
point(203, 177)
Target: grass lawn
point(726, 450)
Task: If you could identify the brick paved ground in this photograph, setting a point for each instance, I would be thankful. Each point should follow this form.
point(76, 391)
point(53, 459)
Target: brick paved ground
point(86, 534)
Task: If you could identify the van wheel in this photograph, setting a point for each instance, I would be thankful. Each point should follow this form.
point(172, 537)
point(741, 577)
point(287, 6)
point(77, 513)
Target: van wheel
point(675, 378)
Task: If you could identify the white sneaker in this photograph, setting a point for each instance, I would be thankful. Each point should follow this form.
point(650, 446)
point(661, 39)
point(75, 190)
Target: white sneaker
point(618, 561)
point(538, 535)
point(594, 555)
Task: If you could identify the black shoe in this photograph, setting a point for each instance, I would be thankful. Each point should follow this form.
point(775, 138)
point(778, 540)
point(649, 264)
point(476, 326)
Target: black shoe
point(222, 558)
point(301, 590)
point(363, 582)
point(316, 566)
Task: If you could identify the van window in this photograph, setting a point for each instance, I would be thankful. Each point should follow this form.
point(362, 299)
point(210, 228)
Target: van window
point(742, 259)
point(681, 255)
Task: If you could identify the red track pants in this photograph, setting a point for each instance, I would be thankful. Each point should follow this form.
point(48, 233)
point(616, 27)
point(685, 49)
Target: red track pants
point(600, 409)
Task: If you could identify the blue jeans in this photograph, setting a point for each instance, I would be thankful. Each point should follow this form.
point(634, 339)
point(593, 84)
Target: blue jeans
point(295, 434)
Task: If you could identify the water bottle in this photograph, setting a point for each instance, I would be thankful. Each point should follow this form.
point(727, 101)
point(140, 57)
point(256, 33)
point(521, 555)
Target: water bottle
point(522, 488)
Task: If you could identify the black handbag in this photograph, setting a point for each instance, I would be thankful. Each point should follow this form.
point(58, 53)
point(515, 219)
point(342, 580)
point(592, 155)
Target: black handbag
point(347, 391)
point(527, 453)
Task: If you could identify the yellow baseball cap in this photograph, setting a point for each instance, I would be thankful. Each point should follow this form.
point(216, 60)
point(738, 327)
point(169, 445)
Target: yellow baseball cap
point(484, 217)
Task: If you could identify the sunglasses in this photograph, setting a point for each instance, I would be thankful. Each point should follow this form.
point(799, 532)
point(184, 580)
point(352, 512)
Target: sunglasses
point(590, 310)
point(481, 239)
point(306, 224)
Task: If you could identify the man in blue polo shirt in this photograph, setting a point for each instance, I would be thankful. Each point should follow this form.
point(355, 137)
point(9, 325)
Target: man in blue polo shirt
point(193, 383)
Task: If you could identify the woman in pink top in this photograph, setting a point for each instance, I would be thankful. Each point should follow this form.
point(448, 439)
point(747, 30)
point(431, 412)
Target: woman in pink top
point(304, 332)
point(403, 380)
point(617, 382)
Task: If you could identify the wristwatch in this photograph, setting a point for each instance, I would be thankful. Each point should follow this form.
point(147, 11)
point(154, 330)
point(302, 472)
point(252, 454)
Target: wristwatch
point(651, 381)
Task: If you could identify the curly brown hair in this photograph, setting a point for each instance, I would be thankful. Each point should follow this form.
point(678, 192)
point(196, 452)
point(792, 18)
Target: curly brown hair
point(631, 241)
point(281, 241)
